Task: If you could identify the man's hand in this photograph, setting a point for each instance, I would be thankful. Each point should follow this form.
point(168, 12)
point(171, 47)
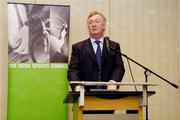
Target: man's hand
point(77, 88)
point(112, 87)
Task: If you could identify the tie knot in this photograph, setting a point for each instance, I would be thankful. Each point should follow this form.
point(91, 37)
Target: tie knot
point(97, 42)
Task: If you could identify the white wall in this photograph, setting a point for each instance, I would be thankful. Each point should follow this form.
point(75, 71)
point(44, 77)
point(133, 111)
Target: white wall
point(3, 60)
point(147, 30)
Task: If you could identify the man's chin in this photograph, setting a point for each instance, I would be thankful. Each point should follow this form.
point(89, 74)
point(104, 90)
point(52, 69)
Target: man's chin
point(96, 35)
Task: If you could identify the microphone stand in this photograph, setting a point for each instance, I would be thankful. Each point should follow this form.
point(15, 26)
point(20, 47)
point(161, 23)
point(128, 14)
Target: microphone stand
point(147, 72)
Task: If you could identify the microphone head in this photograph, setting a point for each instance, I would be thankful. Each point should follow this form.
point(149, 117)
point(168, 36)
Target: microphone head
point(106, 38)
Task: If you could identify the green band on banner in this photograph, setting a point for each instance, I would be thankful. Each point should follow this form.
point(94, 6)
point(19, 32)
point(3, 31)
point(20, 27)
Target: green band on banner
point(37, 93)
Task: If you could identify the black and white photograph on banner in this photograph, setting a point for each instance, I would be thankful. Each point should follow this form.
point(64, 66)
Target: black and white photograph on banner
point(38, 33)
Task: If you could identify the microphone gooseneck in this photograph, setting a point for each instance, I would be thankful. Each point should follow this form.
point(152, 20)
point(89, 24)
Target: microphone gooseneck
point(107, 42)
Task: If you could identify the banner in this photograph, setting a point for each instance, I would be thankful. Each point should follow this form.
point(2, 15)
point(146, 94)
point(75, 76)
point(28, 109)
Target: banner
point(38, 56)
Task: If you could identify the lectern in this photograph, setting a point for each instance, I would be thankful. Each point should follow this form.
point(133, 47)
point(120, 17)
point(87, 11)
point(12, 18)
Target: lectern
point(103, 100)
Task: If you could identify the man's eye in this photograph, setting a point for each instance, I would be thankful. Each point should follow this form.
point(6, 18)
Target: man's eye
point(96, 21)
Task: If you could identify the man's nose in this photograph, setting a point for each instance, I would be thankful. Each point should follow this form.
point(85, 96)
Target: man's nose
point(94, 24)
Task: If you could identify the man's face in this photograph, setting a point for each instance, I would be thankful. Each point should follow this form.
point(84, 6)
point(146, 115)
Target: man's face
point(96, 26)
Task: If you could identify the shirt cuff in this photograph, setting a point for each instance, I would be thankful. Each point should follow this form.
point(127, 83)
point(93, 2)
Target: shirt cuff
point(113, 81)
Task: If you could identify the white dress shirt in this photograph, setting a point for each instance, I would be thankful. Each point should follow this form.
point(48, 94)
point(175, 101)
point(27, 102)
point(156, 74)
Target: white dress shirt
point(95, 45)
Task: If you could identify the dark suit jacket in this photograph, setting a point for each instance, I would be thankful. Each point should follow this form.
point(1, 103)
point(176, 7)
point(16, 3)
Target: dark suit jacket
point(83, 65)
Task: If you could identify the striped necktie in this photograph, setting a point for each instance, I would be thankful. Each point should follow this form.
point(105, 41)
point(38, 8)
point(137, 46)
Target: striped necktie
point(99, 58)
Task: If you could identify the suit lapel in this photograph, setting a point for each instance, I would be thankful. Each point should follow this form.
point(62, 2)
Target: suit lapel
point(105, 51)
point(90, 50)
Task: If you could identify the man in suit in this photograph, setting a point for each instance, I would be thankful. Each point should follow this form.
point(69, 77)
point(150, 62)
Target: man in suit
point(92, 60)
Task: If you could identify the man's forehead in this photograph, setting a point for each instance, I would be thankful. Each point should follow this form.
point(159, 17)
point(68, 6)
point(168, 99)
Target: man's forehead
point(96, 17)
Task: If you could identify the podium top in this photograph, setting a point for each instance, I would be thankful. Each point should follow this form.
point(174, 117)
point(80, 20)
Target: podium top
point(90, 83)
point(72, 96)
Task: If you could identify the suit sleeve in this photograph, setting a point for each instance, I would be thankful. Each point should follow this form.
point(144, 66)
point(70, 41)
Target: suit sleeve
point(118, 72)
point(74, 65)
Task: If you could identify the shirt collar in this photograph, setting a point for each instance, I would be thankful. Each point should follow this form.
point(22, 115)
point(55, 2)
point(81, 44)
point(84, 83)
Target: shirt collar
point(93, 40)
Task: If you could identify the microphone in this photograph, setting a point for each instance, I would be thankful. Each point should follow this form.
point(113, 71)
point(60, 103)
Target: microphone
point(107, 42)
point(111, 48)
point(120, 53)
